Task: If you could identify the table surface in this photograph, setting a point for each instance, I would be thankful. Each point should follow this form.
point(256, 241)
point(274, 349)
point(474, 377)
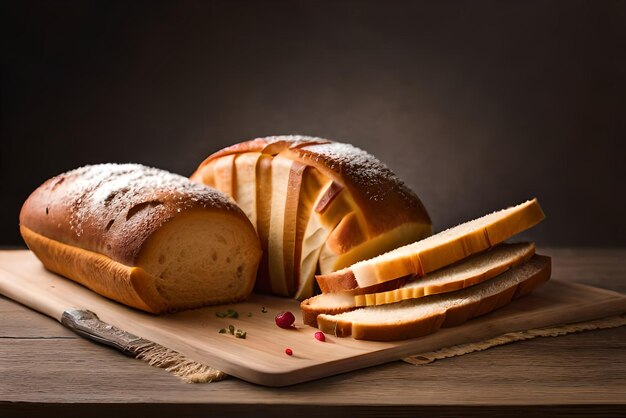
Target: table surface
point(46, 369)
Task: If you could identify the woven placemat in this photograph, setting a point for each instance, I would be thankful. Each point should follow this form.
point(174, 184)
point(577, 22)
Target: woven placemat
point(511, 337)
point(179, 365)
point(194, 372)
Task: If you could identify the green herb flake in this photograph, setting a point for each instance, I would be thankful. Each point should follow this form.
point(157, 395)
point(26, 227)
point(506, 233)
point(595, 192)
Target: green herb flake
point(231, 329)
point(223, 331)
point(229, 313)
point(264, 309)
point(240, 334)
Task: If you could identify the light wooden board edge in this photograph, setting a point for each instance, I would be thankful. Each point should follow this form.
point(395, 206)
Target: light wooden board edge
point(604, 303)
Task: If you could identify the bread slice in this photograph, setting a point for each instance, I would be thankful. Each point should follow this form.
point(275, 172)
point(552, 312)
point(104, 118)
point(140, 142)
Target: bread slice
point(224, 172)
point(468, 272)
point(465, 273)
point(263, 216)
point(436, 251)
point(419, 317)
point(310, 232)
point(279, 252)
point(245, 180)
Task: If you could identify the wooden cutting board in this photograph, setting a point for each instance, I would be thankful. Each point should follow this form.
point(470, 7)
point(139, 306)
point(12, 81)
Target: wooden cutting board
point(261, 358)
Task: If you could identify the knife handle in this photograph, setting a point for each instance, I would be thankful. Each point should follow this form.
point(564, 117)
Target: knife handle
point(88, 325)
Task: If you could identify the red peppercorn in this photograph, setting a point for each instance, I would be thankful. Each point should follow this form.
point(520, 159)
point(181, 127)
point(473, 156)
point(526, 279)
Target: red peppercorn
point(319, 335)
point(285, 320)
point(289, 351)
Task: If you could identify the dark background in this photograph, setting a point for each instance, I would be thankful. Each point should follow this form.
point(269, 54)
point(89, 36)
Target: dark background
point(477, 105)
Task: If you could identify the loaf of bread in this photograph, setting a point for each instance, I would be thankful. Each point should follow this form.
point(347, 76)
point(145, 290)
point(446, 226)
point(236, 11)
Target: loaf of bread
point(465, 273)
point(419, 317)
point(317, 205)
point(141, 236)
point(436, 251)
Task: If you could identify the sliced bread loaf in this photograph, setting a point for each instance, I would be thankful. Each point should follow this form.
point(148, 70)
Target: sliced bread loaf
point(319, 205)
point(473, 270)
point(436, 251)
point(418, 317)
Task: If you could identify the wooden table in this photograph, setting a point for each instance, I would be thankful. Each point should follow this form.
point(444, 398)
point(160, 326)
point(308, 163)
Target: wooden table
point(46, 370)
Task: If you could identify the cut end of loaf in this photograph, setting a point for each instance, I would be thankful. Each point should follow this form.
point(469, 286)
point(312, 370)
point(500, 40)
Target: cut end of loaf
point(326, 303)
point(201, 258)
point(172, 273)
point(339, 281)
point(334, 303)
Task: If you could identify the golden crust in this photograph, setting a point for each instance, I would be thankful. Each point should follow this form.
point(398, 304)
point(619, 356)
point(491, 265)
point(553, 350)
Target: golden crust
point(426, 325)
point(535, 281)
point(329, 196)
point(339, 281)
point(268, 145)
point(385, 200)
point(255, 145)
point(129, 285)
point(264, 186)
point(310, 311)
point(346, 235)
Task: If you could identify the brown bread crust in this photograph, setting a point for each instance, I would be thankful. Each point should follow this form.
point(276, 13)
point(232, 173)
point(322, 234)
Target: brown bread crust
point(310, 311)
point(112, 209)
point(385, 200)
point(129, 285)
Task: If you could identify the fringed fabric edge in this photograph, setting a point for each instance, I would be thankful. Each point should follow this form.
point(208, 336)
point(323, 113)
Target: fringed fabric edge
point(510, 337)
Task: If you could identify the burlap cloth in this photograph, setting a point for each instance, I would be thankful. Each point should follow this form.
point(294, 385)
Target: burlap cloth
point(193, 372)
